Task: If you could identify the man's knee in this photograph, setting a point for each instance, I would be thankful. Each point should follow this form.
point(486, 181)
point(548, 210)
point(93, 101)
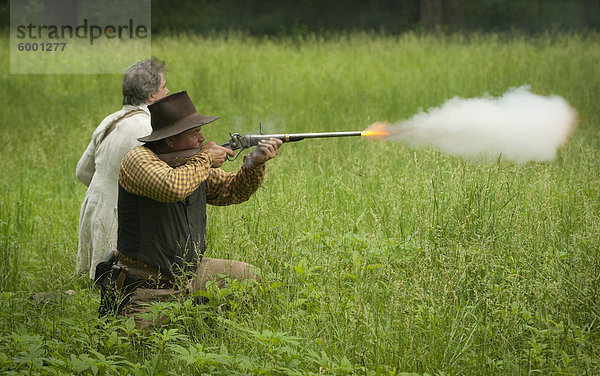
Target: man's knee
point(219, 270)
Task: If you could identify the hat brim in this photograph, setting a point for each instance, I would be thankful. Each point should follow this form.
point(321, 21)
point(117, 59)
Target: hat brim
point(182, 125)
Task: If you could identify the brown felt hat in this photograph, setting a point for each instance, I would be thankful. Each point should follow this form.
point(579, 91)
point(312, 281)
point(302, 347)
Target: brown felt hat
point(172, 115)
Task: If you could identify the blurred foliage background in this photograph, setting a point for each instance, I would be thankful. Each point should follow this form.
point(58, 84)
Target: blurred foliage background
point(290, 17)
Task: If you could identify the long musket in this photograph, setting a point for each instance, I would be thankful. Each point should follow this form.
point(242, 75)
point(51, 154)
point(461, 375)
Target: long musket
point(238, 141)
point(242, 142)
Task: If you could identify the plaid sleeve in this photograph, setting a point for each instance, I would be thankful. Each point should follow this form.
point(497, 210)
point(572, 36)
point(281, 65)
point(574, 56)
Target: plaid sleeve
point(227, 188)
point(144, 174)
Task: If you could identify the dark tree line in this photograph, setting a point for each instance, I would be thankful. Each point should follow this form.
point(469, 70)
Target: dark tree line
point(392, 16)
point(275, 17)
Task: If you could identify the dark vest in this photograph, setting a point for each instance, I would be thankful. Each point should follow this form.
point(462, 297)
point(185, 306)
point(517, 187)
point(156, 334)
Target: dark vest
point(168, 236)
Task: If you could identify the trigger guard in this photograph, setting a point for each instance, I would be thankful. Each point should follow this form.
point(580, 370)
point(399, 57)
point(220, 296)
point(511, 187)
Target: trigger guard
point(236, 155)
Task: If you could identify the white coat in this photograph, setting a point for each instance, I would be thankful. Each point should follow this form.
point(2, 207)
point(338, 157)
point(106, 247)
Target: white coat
point(98, 169)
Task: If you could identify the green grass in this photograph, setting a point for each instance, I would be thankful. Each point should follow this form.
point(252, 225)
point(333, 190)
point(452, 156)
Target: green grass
point(377, 259)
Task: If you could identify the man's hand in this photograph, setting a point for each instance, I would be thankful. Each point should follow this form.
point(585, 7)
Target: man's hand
point(265, 150)
point(219, 153)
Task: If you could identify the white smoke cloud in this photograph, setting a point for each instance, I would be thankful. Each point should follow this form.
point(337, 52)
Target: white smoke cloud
point(520, 125)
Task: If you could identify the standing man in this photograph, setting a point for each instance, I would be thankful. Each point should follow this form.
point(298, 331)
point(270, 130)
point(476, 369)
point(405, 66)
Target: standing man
point(143, 84)
point(162, 209)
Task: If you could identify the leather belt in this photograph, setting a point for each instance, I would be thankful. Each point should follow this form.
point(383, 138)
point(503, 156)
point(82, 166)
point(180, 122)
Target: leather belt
point(148, 275)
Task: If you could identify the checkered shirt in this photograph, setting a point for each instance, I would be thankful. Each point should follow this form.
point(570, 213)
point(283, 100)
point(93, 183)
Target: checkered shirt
point(144, 174)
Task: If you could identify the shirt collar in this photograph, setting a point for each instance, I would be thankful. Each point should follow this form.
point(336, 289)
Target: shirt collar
point(143, 107)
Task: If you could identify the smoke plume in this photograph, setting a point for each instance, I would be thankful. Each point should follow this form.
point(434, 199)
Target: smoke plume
point(520, 125)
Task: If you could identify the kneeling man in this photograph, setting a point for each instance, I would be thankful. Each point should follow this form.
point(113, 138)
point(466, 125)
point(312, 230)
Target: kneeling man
point(162, 206)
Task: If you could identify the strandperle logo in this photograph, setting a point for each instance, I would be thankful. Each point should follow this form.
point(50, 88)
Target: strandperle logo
point(83, 31)
point(78, 36)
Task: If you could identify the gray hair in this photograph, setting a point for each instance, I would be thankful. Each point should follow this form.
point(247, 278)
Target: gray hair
point(141, 80)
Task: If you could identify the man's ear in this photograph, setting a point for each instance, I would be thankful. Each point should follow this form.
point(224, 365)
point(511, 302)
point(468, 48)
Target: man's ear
point(150, 99)
point(170, 141)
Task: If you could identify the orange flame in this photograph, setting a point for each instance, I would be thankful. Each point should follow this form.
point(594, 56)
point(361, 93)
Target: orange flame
point(377, 130)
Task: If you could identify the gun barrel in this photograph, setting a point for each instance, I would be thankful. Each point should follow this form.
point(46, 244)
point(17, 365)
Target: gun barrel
point(301, 136)
point(243, 142)
point(290, 137)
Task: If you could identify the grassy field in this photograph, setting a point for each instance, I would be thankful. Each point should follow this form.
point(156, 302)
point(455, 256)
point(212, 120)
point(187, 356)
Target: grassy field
point(377, 259)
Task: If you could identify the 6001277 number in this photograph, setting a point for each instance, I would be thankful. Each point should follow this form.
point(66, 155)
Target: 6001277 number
point(47, 46)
